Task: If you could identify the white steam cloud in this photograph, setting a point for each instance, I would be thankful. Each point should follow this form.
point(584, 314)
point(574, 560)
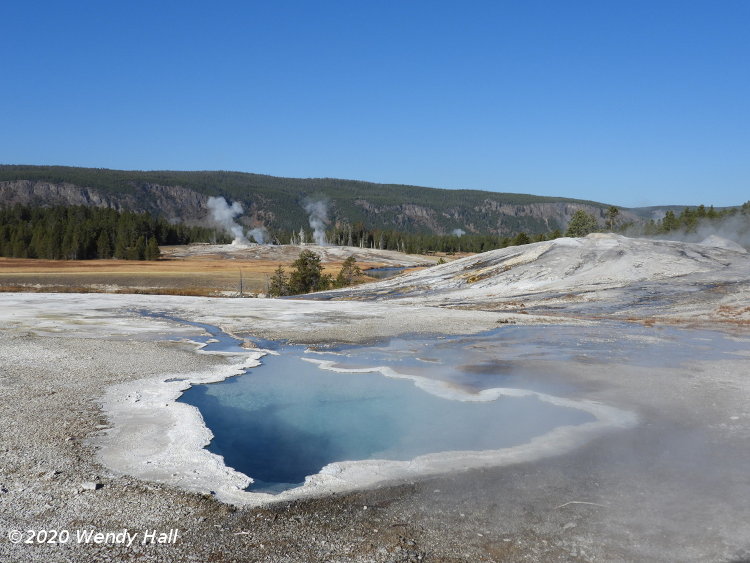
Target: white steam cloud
point(223, 215)
point(259, 234)
point(458, 232)
point(318, 217)
point(734, 229)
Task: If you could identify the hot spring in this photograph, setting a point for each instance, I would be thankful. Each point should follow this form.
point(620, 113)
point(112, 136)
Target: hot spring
point(303, 409)
point(338, 418)
point(288, 418)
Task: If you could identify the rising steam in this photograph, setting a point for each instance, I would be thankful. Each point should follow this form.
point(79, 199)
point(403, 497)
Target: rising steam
point(259, 234)
point(732, 229)
point(318, 217)
point(223, 215)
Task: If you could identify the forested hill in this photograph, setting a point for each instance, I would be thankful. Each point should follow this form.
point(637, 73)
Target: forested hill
point(277, 203)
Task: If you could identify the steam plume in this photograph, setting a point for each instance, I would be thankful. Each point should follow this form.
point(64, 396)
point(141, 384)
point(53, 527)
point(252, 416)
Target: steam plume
point(734, 228)
point(259, 234)
point(223, 215)
point(318, 217)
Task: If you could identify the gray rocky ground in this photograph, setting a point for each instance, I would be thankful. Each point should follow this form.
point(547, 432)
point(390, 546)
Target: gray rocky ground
point(674, 488)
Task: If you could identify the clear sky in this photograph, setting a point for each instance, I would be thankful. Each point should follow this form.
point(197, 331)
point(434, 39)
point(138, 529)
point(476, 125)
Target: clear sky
point(623, 101)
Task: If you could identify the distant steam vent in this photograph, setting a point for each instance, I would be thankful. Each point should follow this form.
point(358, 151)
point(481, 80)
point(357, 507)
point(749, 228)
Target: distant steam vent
point(223, 215)
point(318, 219)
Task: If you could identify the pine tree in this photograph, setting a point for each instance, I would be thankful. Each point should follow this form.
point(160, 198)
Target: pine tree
point(669, 222)
point(278, 285)
point(55, 242)
point(152, 249)
point(121, 248)
point(349, 274)
point(19, 248)
point(138, 250)
point(38, 242)
point(581, 224)
point(103, 247)
point(307, 274)
point(521, 238)
point(612, 213)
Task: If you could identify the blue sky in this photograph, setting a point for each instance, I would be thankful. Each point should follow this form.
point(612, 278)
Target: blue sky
point(626, 102)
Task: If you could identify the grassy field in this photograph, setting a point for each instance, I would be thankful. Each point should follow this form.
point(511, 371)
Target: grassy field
point(182, 277)
point(190, 275)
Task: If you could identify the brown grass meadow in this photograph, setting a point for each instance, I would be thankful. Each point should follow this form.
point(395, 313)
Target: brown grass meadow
point(200, 276)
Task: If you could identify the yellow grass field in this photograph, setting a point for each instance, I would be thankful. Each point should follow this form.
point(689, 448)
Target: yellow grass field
point(186, 275)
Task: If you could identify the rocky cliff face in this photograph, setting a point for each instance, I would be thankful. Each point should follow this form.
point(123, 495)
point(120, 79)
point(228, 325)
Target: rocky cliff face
point(26, 192)
point(491, 215)
point(555, 215)
point(173, 202)
point(188, 205)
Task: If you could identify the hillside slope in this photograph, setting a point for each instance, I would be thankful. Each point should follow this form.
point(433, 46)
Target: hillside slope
point(277, 203)
point(601, 274)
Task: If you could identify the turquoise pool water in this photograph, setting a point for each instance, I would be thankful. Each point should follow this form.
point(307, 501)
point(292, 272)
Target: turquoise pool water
point(288, 418)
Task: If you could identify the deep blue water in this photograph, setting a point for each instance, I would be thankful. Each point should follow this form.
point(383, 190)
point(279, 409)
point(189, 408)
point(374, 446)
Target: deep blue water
point(287, 418)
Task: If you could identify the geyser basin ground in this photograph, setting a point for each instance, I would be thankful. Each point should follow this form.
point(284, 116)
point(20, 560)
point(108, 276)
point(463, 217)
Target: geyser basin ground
point(502, 365)
point(674, 488)
point(317, 421)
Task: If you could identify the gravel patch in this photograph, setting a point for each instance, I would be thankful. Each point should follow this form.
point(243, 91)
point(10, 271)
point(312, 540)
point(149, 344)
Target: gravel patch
point(673, 488)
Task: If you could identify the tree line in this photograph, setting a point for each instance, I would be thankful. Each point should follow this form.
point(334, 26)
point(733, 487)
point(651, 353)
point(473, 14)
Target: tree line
point(686, 221)
point(358, 235)
point(307, 276)
point(689, 218)
point(86, 233)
